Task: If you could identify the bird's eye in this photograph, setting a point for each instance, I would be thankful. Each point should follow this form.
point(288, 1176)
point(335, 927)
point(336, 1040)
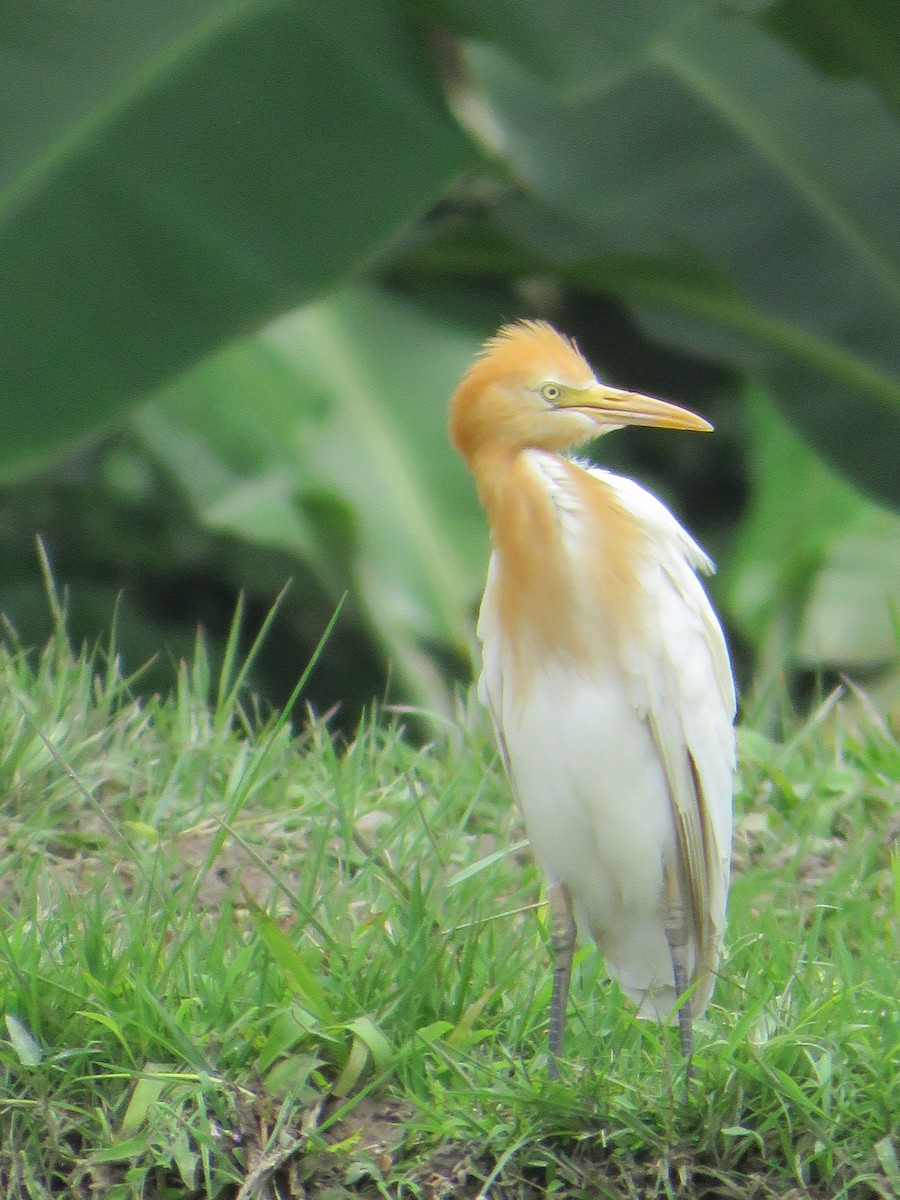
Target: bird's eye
point(551, 392)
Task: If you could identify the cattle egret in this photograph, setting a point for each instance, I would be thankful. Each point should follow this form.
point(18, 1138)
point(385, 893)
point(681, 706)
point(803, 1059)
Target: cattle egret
point(606, 674)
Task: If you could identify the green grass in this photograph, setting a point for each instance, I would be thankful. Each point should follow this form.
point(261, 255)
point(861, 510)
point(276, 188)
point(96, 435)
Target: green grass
point(240, 961)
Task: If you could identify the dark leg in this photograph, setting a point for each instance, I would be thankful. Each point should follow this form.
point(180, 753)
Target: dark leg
point(677, 938)
point(563, 939)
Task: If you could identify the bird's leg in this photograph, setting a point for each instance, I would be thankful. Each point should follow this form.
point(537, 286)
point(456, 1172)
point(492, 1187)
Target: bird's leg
point(677, 939)
point(563, 940)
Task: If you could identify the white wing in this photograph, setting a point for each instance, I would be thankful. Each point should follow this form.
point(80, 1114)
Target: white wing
point(681, 680)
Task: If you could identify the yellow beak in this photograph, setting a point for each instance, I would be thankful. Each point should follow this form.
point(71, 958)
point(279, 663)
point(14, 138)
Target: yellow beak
point(611, 406)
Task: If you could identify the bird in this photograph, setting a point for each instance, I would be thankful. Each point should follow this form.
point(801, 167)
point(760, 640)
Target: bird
point(606, 675)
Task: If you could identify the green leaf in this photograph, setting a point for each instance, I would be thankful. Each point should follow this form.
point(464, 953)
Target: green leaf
point(743, 204)
point(286, 1030)
point(846, 38)
point(434, 1031)
point(147, 1090)
point(484, 864)
point(346, 438)
point(887, 1157)
point(463, 1034)
point(292, 963)
point(377, 1044)
point(27, 1049)
point(186, 1160)
point(848, 620)
point(120, 1151)
point(816, 565)
point(797, 507)
point(172, 174)
point(102, 1018)
point(353, 1068)
point(571, 44)
point(291, 1074)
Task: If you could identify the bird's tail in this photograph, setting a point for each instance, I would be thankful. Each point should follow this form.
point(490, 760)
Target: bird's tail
point(642, 967)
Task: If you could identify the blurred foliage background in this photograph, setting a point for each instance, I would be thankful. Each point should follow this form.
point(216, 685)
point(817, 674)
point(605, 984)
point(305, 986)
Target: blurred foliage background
point(247, 248)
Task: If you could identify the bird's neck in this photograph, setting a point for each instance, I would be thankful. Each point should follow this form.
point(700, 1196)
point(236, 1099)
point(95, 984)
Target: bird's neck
point(535, 578)
point(566, 558)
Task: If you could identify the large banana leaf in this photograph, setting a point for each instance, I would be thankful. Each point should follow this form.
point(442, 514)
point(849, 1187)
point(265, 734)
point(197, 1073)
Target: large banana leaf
point(174, 173)
point(326, 436)
point(574, 45)
point(848, 39)
point(813, 577)
point(742, 202)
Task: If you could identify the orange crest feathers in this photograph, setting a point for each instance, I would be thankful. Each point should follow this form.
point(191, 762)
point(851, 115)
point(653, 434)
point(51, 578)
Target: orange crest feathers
point(533, 350)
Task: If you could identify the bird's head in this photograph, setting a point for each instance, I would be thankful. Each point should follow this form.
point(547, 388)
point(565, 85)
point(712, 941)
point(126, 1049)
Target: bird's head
point(531, 388)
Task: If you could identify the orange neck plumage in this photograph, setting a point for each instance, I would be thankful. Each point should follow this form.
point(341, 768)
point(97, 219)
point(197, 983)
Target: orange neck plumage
point(551, 606)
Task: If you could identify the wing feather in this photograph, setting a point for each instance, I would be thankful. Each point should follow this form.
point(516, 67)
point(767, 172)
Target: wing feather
point(681, 679)
point(490, 680)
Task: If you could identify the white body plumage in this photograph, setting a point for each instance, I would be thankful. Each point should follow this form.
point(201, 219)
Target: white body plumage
point(621, 758)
